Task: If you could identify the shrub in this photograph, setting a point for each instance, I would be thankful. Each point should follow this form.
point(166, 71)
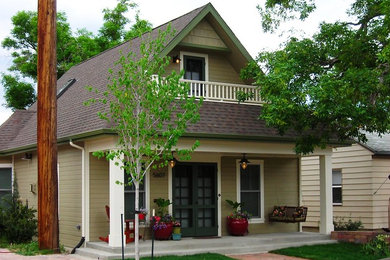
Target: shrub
point(378, 246)
point(340, 224)
point(19, 223)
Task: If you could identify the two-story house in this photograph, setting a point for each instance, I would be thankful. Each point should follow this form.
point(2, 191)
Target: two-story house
point(211, 55)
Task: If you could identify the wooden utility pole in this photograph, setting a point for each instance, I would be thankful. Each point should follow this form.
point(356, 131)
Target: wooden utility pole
point(47, 127)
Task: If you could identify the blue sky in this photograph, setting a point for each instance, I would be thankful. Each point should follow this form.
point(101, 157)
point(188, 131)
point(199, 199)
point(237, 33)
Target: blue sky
point(241, 16)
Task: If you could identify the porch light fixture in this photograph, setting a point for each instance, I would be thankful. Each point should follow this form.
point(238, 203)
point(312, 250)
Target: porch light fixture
point(244, 162)
point(176, 59)
point(172, 162)
point(27, 156)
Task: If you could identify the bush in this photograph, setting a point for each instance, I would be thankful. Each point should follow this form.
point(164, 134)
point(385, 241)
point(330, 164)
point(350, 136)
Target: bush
point(378, 246)
point(340, 224)
point(18, 221)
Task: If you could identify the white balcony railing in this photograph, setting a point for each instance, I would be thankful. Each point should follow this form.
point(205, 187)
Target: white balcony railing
point(224, 92)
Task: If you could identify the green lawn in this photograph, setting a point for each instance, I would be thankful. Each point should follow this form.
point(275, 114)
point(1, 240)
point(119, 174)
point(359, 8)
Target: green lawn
point(191, 257)
point(337, 251)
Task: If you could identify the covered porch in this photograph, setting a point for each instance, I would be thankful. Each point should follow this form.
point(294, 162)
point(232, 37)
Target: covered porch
point(279, 184)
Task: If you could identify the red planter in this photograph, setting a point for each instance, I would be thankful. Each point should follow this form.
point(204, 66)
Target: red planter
point(164, 233)
point(237, 227)
point(141, 216)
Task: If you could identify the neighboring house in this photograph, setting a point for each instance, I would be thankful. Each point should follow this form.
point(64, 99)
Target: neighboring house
point(226, 131)
point(358, 171)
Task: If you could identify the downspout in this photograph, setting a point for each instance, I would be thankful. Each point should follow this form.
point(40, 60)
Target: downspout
point(82, 195)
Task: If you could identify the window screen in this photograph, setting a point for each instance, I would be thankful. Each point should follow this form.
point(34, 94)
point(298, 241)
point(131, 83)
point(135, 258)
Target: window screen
point(130, 197)
point(336, 186)
point(250, 190)
point(5, 182)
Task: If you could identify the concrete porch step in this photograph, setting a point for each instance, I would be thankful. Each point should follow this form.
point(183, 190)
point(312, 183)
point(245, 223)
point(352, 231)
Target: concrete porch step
point(225, 245)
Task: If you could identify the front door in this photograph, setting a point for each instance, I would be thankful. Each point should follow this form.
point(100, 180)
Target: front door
point(195, 198)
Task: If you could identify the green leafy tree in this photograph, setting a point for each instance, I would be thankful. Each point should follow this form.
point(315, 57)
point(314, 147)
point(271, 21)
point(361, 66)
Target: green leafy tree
point(18, 94)
point(113, 30)
point(71, 48)
point(150, 109)
point(333, 85)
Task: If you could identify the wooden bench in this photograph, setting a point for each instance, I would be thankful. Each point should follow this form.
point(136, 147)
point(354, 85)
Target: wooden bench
point(288, 214)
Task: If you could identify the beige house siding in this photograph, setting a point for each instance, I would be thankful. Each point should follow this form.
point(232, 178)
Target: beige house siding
point(25, 173)
point(99, 197)
point(204, 35)
point(69, 160)
point(220, 70)
point(380, 170)
point(158, 186)
point(220, 67)
point(280, 188)
point(355, 163)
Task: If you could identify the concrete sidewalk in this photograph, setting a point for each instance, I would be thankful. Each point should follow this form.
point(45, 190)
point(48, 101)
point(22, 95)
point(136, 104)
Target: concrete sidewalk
point(7, 255)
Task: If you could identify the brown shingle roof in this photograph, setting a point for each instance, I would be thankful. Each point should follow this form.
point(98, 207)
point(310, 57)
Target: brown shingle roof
point(75, 119)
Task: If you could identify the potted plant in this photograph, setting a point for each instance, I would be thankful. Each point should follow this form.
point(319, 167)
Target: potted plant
point(237, 221)
point(163, 222)
point(176, 235)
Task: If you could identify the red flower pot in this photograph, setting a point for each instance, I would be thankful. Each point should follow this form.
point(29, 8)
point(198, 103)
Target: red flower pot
point(164, 233)
point(141, 216)
point(237, 227)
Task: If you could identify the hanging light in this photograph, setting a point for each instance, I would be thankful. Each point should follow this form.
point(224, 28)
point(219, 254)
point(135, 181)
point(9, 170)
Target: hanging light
point(244, 162)
point(176, 59)
point(172, 162)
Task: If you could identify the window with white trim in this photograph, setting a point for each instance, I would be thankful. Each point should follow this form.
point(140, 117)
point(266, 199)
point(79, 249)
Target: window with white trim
point(5, 181)
point(251, 189)
point(337, 187)
point(130, 197)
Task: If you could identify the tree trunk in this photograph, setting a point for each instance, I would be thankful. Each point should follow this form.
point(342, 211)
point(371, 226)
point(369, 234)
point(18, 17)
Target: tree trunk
point(47, 127)
point(136, 226)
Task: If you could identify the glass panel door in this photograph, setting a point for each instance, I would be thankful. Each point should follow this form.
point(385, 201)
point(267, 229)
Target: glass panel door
point(195, 198)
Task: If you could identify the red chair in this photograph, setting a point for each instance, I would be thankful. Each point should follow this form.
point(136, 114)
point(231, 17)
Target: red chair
point(128, 231)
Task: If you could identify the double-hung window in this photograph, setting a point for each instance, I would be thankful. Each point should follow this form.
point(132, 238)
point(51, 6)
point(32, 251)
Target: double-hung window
point(250, 184)
point(336, 187)
point(5, 181)
point(130, 197)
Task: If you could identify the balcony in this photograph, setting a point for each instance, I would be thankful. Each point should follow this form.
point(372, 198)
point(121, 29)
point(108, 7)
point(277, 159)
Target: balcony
point(223, 92)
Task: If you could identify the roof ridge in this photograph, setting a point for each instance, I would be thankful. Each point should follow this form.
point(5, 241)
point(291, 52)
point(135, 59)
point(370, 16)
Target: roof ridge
point(130, 40)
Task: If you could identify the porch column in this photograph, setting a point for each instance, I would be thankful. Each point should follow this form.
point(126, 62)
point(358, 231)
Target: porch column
point(116, 204)
point(326, 205)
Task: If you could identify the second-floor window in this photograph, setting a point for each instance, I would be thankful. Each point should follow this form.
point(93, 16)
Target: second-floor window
point(194, 68)
point(336, 186)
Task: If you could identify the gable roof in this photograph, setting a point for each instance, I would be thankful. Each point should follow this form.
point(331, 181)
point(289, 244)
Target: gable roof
point(77, 121)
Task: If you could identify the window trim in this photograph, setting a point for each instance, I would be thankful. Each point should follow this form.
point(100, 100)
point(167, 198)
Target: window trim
point(9, 165)
point(147, 193)
point(338, 186)
point(260, 219)
point(198, 55)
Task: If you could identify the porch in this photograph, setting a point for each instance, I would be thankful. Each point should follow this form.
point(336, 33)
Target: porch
point(217, 163)
point(227, 245)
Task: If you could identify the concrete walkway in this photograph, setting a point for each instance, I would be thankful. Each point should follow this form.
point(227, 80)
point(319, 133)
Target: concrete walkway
point(7, 255)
